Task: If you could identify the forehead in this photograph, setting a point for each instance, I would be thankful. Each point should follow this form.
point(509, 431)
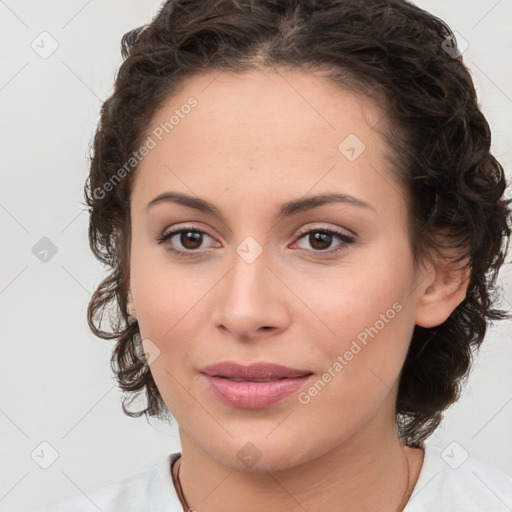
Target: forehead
point(269, 102)
point(246, 131)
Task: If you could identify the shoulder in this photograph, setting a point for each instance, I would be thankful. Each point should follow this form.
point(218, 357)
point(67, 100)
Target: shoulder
point(150, 490)
point(450, 480)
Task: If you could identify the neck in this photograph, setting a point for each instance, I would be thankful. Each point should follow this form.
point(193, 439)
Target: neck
point(366, 473)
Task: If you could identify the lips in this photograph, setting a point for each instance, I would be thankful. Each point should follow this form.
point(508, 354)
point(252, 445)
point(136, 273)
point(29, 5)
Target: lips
point(261, 372)
point(255, 386)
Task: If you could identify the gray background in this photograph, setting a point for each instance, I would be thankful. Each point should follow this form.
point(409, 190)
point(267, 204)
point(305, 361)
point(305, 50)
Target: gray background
point(56, 383)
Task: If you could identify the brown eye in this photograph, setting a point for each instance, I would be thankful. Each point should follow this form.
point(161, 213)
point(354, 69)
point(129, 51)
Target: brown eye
point(190, 239)
point(185, 241)
point(322, 239)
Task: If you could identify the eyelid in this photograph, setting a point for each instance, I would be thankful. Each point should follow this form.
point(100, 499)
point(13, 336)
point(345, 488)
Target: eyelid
point(308, 227)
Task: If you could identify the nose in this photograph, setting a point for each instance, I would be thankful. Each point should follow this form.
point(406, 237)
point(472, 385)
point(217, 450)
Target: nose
point(252, 300)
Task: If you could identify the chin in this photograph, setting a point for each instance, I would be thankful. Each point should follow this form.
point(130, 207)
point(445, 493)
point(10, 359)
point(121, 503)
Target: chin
point(261, 455)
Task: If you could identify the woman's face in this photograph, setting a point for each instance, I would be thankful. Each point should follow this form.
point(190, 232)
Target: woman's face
point(261, 285)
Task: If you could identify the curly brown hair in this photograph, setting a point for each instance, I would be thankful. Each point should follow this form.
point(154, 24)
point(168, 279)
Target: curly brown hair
point(402, 57)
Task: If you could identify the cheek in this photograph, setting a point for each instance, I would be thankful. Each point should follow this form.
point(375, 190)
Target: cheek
point(172, 313)
point(362, 362)
point(366, 325)
point(164, 291)
point(346, 306)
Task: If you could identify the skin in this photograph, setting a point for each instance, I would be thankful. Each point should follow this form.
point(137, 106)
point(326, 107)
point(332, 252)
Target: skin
point(255, 141)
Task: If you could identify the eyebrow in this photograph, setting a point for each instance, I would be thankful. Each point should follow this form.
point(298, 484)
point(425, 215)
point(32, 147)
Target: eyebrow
point(287, 209)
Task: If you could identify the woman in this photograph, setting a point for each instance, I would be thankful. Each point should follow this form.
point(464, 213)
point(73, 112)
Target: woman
point(304, 226)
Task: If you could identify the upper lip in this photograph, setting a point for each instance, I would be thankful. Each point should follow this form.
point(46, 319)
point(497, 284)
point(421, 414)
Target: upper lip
point(259, 371)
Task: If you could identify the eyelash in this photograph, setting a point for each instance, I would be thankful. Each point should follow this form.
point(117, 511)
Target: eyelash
point(346, 239)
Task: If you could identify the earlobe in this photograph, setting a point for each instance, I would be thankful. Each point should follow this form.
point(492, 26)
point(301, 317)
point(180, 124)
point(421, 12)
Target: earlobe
point(130, 306)
point(443, 295)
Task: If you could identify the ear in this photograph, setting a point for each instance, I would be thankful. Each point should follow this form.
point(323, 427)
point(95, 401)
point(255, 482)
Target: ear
point(131, 307)
point(443, 290)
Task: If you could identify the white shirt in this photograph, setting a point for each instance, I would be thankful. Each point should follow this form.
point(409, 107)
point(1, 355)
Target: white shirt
point(447, 483)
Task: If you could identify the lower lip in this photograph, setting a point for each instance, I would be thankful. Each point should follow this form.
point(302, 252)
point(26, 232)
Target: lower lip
point(254, 395)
